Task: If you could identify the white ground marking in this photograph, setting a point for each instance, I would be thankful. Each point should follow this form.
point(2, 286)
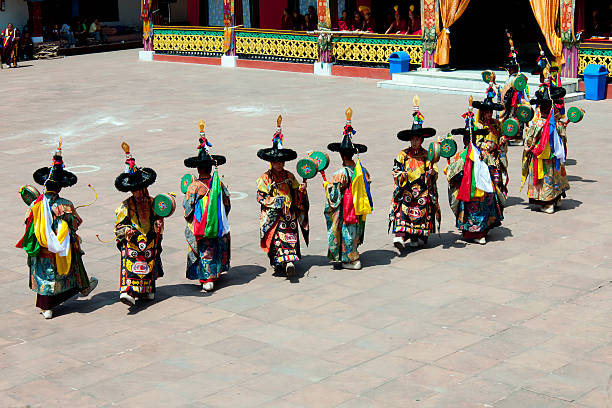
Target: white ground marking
point(257, 110)
point(83, 129)
point(237, 195)
point(85, 168)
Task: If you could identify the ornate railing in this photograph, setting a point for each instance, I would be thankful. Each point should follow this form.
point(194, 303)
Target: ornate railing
point(197, 41)
point(374, 49)
point(595, 52)
point(276, 45)
point(291, 46)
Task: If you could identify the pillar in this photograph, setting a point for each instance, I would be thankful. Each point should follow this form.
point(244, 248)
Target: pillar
point(570, 50)
point(324, 15)
point(429, 18)
point(35, 8)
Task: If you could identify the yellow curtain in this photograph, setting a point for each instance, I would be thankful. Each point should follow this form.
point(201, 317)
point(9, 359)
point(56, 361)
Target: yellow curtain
point(546, 13)
point(450, 11)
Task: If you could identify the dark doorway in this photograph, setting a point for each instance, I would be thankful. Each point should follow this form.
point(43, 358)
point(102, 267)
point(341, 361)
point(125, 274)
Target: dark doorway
point(478, 38)
point(203, 9)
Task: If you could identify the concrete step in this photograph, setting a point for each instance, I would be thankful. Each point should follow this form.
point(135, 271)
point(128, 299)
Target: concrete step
point(574, 96)
point(468, 80)
point(477, 93)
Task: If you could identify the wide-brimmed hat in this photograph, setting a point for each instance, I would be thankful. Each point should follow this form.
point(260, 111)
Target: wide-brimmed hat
point(417, 125)
point(277, 153)
point(134, 178)
point(470, 124)
point(488, 104)
point(204, 158)
point(347, 145)
point(56, 173)
point(548, 93)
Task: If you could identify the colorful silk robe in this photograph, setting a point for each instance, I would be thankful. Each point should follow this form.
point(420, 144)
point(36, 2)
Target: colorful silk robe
point(9, 43)
point(283, 208)
point(140, 256)
point(552, 178)
point(512, 99)
point(207, 257)
point(414, 206)
point(343, 238)
point(495, 154)
point(51, 274)
point(474, 218)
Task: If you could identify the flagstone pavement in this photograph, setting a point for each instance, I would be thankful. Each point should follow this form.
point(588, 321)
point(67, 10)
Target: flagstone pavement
point(522, 322)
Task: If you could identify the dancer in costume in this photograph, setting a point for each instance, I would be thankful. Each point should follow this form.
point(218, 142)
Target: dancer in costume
point(10, 45)
point(284, 206)
point(471, 191)
point(55, 258)
point(138, 232)
point(348, 201)
point(414, 205)
point(494, 145)
point(544, 154)
point(512, 98)
point(207, 205)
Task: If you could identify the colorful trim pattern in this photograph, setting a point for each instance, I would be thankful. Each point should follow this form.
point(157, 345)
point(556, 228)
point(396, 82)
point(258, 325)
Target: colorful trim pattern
point(198, 41)
point(276, 45)
point(289, 46)
point(375, 49)
point(599, 56)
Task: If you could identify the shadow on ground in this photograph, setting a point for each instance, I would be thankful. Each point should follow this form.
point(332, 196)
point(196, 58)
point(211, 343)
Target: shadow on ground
point(377, 257)
point(578, 178)
point(566, 204)
point(510, 201)
point(570, 162)
point(240, 275)
point(302, 268)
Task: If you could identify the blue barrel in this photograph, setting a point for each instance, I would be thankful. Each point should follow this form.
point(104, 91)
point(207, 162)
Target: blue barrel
point(595, 77)
point(399, 62)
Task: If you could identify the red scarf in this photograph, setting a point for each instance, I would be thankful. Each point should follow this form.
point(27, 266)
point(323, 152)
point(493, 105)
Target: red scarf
point(536, 151)
point(465, 191)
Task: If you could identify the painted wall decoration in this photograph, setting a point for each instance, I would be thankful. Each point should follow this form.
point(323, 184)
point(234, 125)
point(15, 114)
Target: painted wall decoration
point(215, 13)
point(229, 30)
point(323, 14)
point(567, 21)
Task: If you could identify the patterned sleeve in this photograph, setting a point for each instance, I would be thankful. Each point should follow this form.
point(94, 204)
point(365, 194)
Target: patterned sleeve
point(189, 201)
point(300, 198)
point(123, 223)
point(399, 170)
point(265, 197)
point(532, 132)
point(335, 188)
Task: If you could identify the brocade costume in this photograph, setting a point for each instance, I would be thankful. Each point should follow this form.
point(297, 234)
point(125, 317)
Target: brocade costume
point(284, 207)
point(56, 270)
point(344, 233)
point(138, 233)
point(547, 183)
point(141, 262)
point(414, 206)
point(207, 257)
point(206, 205)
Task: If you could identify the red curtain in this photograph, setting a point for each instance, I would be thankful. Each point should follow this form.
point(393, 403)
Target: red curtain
point(193, 12)
point(271, 13)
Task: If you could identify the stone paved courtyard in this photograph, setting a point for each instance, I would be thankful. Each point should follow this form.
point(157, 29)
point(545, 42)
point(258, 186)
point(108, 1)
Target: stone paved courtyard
point(523, 322)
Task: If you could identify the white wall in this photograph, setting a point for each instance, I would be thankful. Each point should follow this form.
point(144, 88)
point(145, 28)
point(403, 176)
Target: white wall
point(16, 13)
